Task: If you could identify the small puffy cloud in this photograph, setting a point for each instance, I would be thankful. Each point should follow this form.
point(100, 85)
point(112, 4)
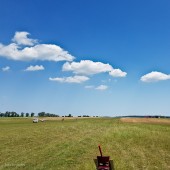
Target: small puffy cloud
point(21, 38)
point(74, 79)
point(7, 68)
point(155, 76)
point(34, 68)
point(89, 87)
point(88, 67)
point(117, 73)
point(101, 87)
point(16, 51)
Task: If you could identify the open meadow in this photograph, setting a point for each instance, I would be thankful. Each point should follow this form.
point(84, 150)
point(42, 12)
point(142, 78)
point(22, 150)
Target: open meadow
point(72, 144)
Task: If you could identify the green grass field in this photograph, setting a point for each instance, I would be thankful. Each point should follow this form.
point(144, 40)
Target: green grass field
point(73, 144)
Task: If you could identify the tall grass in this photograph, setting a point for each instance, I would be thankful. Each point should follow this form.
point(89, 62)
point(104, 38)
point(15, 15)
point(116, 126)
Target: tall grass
point(72, 144)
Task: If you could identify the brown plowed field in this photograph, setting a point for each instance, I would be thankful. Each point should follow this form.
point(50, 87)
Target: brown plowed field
point(146, 120)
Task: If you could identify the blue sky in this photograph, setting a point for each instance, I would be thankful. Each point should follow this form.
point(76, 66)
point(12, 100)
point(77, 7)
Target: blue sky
point(94, 57)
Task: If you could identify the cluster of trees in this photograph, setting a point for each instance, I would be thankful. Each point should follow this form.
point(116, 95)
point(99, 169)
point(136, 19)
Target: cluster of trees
point(78, 116)
point(43, 114)
point(14, 114)
point(87, 116)
point(69, 115)
point(84, 116)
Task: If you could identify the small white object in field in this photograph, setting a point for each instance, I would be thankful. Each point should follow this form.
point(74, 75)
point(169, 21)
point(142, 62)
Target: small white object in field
point(35, 120)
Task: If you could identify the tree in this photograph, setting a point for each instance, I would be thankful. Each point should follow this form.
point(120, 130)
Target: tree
point(27, 114)
point(47, 114)
point(22, 114)
point(69, 115)
point(41, 114)
point(32, 114)
point(13, 114)
point(7, 114)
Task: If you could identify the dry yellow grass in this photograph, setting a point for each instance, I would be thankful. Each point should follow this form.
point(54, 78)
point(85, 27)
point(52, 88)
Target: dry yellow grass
point(146, 120)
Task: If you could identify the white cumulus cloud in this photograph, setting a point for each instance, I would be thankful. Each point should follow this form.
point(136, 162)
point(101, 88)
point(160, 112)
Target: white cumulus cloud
point(7, 68)
point(21, 38)
point(88, 67)
point(117, 73)
point(154, 76)
point(16, 51)
point(101, 87)
point(34, 68)
point(74, 79)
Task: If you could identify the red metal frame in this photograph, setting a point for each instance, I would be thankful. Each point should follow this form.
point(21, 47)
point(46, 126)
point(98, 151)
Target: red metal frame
point(103, 162)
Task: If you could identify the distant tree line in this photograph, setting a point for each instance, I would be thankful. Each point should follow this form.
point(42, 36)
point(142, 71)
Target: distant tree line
point(149, 116)
point(69, 115)
point(84, 116)
point(14, 114)
point(40, 114)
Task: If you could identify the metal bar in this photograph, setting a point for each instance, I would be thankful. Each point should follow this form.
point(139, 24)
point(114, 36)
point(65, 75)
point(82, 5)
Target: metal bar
point(100, 150)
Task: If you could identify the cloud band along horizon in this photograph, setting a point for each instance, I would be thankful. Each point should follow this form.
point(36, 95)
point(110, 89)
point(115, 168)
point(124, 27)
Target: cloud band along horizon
point(71, 79)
